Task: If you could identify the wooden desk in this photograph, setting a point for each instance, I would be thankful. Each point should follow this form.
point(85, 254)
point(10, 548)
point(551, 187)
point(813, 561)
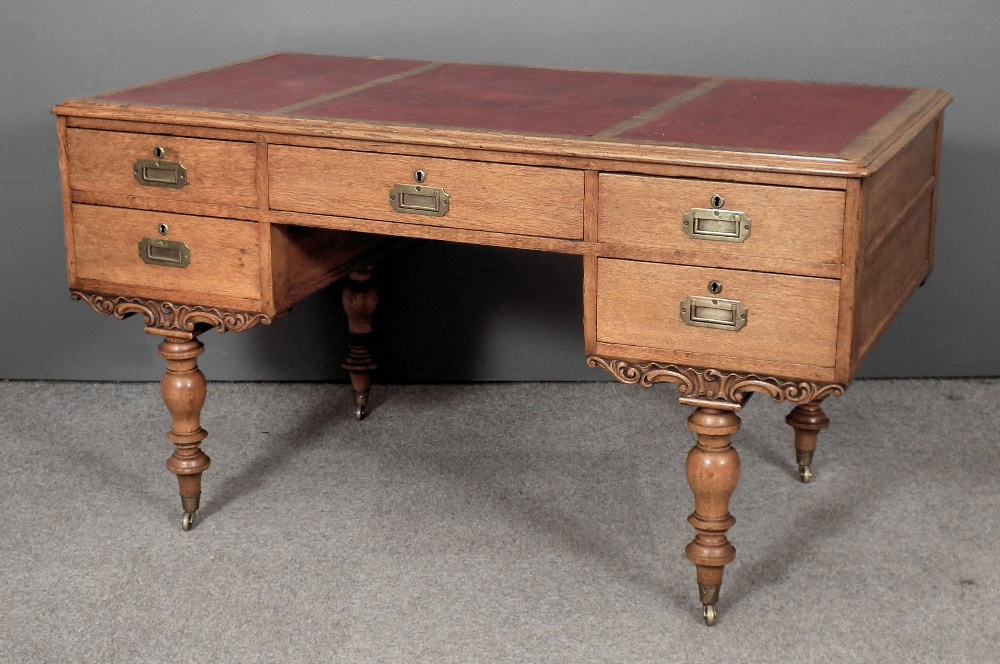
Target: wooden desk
point(738, 236)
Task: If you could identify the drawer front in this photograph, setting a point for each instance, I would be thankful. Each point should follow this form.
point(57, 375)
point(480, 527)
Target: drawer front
point(786, 223)
point(223, 255)
point(789, 319)
point(503, 198)
point(190, 169)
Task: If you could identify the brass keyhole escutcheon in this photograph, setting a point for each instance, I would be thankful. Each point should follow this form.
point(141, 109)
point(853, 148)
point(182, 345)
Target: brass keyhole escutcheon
point(718, 200)
point(715, 287)
point(163, 229)
point(159, 152)
point(420, 177)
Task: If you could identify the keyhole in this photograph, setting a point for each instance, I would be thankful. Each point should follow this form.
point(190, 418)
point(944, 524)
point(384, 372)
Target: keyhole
point(718, 201)
point(158, 152)
point(163, 229)
point(715, 287)
point(419, 177)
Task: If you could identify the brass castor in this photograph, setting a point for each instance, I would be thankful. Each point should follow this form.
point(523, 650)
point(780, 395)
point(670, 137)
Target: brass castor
point(187, 521)
point(360, 405)
point(805, 474)
point(708, 595)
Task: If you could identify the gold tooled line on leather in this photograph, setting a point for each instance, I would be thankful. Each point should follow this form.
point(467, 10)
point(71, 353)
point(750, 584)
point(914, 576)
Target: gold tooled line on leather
point(663, 107)
point(291, 108)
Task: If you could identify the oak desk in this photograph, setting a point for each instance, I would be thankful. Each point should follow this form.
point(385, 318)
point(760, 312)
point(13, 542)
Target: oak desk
point(737, 236)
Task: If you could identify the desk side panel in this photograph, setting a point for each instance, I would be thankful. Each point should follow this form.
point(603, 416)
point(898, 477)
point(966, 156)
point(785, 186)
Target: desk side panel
point(895, 244)
point(67, 199)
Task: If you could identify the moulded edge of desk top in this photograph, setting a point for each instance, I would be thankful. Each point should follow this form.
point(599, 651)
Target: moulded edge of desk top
point(808, 180)
point(877, 149)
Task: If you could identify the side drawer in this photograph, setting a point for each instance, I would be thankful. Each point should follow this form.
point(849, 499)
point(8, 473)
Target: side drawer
point(223, 254)
point(785, 223)
point(217, 172)
point(502, 198)
point(791, 320)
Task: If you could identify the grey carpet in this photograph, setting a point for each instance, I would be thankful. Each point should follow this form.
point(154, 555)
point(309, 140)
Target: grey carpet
point(492, 523)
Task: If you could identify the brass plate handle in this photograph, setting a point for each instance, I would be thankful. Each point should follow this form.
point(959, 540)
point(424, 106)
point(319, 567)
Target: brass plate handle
point(167, 253)
point(417, 199)
point(156, 173)
point(718, 225)
point(714, 313)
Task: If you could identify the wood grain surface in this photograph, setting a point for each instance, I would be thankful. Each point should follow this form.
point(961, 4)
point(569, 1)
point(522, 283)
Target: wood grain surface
point(520, 200)
point(219, 172)
point(791, 320)
point(892, 188)
point(892, 272)
point(896, 243)
point(637, 163)
point(225, 257)
point(787, 223)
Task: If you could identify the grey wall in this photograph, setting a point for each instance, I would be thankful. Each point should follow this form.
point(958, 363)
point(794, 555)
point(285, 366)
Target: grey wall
point(456, 312)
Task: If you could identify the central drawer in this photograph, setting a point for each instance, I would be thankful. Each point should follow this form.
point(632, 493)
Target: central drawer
point(502, 198)
point(718, 312)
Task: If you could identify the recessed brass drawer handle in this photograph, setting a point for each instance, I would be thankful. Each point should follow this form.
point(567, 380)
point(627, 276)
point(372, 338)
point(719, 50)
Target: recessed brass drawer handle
point(164, 252)
point(719, 225)
point(417, 199)
point(715, 313)
point(156, 173)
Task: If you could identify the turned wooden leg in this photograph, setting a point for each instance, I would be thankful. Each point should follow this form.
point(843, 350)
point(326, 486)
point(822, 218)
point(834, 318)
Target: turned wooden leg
point(183, 389)
point(808, 420)
point(713, 470)
point(360, 299)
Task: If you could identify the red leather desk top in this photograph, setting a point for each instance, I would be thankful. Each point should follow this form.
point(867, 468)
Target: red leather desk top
point(734, 114)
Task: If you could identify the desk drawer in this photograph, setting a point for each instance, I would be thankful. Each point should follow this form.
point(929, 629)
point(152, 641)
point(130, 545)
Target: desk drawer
point(223, 255)
point(792, 320)
point(502, 198)
point(786, 223)
point(190, 169)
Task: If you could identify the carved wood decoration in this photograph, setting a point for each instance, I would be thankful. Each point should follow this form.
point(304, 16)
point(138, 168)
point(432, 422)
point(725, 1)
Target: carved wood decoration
point(168, 316)
point(710, 387)
point(713, 465)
